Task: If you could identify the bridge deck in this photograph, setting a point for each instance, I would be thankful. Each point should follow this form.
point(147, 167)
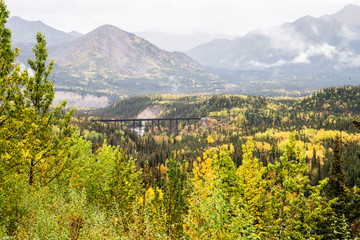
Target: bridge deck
point(147, 119)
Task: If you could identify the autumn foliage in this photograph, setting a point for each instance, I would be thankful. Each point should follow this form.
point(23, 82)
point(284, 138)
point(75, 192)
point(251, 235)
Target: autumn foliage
point(253, 173)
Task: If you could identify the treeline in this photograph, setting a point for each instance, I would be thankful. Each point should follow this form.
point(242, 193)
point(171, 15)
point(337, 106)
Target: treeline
point(336, 101)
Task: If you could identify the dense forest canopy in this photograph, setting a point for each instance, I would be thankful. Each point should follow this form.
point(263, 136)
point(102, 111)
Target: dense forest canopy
point(252, 168)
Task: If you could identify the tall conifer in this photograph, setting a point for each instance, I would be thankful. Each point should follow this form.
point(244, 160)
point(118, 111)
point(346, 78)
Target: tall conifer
point(337, 180)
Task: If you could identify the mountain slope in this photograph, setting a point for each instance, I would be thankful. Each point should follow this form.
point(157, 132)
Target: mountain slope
point(349, 15)
point(24, 31)
point(111, 61)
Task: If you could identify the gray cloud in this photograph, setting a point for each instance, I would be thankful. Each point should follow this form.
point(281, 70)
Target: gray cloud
point(285, 38)
point(325, 50)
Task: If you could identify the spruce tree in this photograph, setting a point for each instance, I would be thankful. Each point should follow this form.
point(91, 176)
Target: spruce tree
point(337, 179)
point(289, 213)
point(175, 198)
point(47, 153)
point(12, 124)
point(34, 138)
point(12, 128)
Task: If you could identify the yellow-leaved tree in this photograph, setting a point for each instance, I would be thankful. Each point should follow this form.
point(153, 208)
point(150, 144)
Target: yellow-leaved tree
point(215, 205)
point(252, 185)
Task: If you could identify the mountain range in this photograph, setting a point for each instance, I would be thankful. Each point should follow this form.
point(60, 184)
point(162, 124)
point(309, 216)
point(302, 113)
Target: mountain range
point(307, 54)
point(332, 39)
point(113, 63)
point(24, 31)
point(293, 59)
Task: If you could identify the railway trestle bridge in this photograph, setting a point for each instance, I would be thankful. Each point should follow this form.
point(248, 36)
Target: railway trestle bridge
point(139, 122)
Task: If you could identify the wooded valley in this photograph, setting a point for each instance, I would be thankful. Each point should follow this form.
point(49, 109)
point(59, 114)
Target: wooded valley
point(252, 168)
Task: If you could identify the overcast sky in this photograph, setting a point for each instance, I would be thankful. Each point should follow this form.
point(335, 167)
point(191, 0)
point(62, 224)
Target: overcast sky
point(173, 16)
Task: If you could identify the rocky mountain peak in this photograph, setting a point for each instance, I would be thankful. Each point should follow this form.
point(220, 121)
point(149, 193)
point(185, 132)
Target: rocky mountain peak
point(24, 32)
point(349, 15)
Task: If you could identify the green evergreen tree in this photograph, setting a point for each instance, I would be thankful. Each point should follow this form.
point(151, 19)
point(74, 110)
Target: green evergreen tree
point(12, 112)
point(289, 213)
point(337, 180)
point(33, 144)
point(47, 153)
point(175, 202)
point(34, 138)
point(340, 228)
point(12, 129)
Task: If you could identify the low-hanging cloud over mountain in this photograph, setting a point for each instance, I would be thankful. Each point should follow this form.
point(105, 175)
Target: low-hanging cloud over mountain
point(328, 40)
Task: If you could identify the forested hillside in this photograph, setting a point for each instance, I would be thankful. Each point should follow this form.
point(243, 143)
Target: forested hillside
point(314, 122)
point(319, 110)
point(252, 168)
